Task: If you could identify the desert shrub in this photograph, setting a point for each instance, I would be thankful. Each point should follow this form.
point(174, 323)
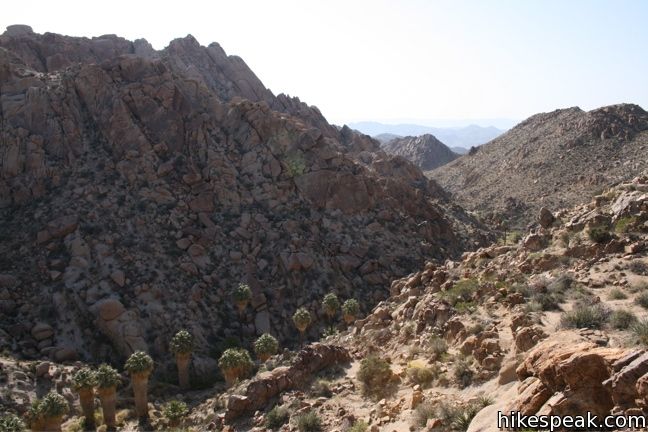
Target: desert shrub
point(642, 300)
point(181, 343)
point(585, 316)
point(453, 417)
point(266, 346)
point(463, 373)
point(461, 291)
point(421, 374)
point(359, 426)
point(375, 374)
point(139, 362)
point(617, 294)
point(423, 413)
point(175, 410)
point(11, 423)
point(624, 224)
point(638, 267)
point(309, 422)
point(599, 234)
point(321, 388)
point(438, 347)
point(276, 417)
point(295, 164)
point(640, 329)
point(621, 319)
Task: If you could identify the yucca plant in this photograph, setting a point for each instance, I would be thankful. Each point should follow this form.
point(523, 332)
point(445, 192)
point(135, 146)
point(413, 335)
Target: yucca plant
point(182, 345)
point(107, 382)
point(330, 305)
point(266, 346)
point(350, 310)
point(302, 319)
point(242, 295)
point(83, 382)
point(174, 412)
point(140, 366)
point(235, 363)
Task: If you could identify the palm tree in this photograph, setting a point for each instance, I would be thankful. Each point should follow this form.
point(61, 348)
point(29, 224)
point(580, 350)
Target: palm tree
point(330, 304)
point(350, 310)
point(174, 412)
point(181, 345)
point(47, 414)
point(107, 382)
point(235, 363)
point(83, 382)
point(302, 319)
point(266, 346)
point(242, 295)
point(140, 366)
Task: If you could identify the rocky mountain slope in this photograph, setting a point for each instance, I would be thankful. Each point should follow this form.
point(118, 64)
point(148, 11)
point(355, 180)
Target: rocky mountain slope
point(139, 187)
point(425, 151)
point(556, 323)
point(554, 159)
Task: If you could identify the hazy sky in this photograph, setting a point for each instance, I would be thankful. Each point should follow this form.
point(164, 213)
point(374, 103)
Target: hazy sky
point(397, 60)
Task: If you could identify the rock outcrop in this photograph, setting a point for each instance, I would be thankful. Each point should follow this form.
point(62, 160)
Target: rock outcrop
point(425, 151)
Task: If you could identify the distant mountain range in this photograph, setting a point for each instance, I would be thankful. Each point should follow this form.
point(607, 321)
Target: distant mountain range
point(459, 139)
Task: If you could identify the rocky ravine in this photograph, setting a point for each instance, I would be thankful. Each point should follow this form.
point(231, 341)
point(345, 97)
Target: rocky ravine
point(554, 159)
point(425, 151)
point(137, 188)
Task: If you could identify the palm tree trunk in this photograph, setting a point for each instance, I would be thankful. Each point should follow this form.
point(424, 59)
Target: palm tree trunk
point(108, 397)
point(86, 398)
point(183, 360)
point(140, 391)
point(52, 424)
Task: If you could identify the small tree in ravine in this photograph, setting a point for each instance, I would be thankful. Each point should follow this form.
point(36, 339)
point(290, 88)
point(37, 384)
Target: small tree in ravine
point(242, 295)
point(266, 346)
point(84, 382)
point(107, 382)
point(182, 345)
point(140, 366)
point(302, 319)
point(330, 305)
point(235, 363)
point(175, 411)
point(350, 310)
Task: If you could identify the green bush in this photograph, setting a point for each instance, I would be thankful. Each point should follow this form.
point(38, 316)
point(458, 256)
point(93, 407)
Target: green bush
point(617, 294)
point(640, 329)
point(139, 362)
point(642, 300)
point(621, 319)
point(11, 423)
point(421, 375)
point(624, 224)
point(53, 405)
point(599, 234)
point(585, 316)
point(424, 412)
point(107, 376)
point(266, 346)
point(276, 417)
point(375, 374)
point(438, 347)
point(359, 426)
point(181, 343)
point(453, 417)
point(84, 378)
point(462, 291)
point(309, 422)
point(175, 410)
point(463, 373)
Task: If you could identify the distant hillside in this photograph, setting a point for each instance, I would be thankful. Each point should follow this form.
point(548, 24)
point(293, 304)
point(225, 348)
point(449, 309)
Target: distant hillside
point(465, 137)
point(386, 137)
point(555, 159)
point(425, 151)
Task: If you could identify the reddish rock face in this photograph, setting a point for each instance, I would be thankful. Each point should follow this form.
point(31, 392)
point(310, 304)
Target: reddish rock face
point(162, 179)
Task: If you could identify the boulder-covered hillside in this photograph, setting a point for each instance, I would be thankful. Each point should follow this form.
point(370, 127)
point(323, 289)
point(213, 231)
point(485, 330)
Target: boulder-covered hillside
point(139, 187)
point(555, 160)
point(425, 151)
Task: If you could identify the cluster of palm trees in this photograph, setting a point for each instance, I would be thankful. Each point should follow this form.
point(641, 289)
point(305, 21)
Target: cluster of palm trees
point(235, 363)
